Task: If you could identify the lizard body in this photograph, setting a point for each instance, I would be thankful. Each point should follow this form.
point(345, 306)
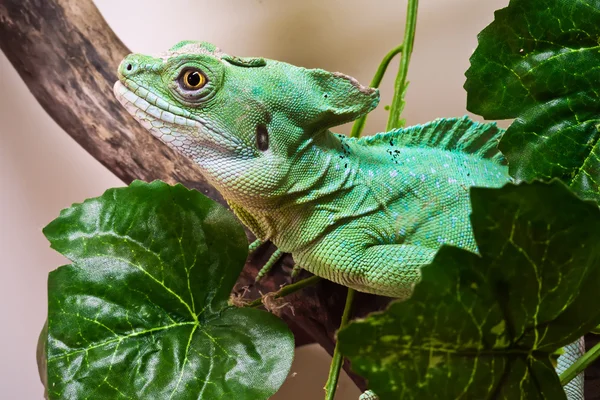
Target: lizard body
point(365, 213)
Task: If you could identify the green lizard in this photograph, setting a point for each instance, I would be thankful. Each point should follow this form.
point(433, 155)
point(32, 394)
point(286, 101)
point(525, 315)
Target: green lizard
point(364, 213)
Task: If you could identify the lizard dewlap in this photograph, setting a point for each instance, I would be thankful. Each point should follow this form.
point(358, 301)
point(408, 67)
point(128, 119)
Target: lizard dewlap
point(365, 213)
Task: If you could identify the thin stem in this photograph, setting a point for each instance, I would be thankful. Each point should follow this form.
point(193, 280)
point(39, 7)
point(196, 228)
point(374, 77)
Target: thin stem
point(579, 365)
point(336, 362)
point(289, 289)
point(359, 124)
point(398, 102)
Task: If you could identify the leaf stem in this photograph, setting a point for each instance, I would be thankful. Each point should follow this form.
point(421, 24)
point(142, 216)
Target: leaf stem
point(359, 124)
point(400, 86)
point(580, 365)
point(288, 289)
point(336, 362)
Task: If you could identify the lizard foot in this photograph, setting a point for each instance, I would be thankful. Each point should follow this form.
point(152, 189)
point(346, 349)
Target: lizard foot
point(254, 245)
point(277, 254)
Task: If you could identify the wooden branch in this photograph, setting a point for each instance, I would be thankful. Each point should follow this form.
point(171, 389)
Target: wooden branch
point(68, 57)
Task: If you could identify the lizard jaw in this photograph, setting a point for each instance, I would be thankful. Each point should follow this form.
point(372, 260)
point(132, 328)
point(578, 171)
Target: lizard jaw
point(162, 120)
point(174, 126)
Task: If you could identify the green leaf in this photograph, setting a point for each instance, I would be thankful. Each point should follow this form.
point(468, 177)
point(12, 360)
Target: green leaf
point(487, 325)
point(538, 62)
point(142, 313)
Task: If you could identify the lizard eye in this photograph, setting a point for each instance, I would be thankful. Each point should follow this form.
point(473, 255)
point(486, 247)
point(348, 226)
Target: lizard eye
point(192, 79)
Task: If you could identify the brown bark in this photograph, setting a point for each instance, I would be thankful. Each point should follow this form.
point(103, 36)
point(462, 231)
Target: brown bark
point(68, 57)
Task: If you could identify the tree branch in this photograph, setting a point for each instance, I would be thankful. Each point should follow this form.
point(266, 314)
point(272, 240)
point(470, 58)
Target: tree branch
point(68, 57)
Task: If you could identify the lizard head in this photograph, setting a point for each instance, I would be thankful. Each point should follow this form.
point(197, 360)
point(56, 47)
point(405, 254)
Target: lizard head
point(236, 117)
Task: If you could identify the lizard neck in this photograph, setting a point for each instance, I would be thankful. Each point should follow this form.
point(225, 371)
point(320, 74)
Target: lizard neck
point(277, 179)
point(316, 165)
point(315, 174)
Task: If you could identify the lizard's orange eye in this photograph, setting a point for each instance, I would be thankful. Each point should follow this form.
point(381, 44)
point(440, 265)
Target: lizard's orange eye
point(192, 79)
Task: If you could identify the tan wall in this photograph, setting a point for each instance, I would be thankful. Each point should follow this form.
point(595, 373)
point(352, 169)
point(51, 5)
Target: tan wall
point(42, 170)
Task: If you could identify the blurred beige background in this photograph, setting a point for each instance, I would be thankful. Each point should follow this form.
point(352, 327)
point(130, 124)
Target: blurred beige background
point(42, 170)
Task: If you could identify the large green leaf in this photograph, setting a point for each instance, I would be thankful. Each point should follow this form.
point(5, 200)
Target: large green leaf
point(487, 325)
point(539, 62)
point(143, 312)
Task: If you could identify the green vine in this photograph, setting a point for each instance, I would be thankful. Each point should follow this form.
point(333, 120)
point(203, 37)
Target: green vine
point(359, 124)
point(401, 84)
point(336, 362)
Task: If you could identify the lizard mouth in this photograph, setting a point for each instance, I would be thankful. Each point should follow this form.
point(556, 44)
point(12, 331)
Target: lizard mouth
point(156, 115)
point(173, 125)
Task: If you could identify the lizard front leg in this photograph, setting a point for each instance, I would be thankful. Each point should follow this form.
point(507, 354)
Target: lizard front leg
point(254, 226)
point(385, 269)
point(392, 269)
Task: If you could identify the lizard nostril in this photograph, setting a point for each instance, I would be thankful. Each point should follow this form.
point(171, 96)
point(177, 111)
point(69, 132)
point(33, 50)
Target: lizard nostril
point(129, 67)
